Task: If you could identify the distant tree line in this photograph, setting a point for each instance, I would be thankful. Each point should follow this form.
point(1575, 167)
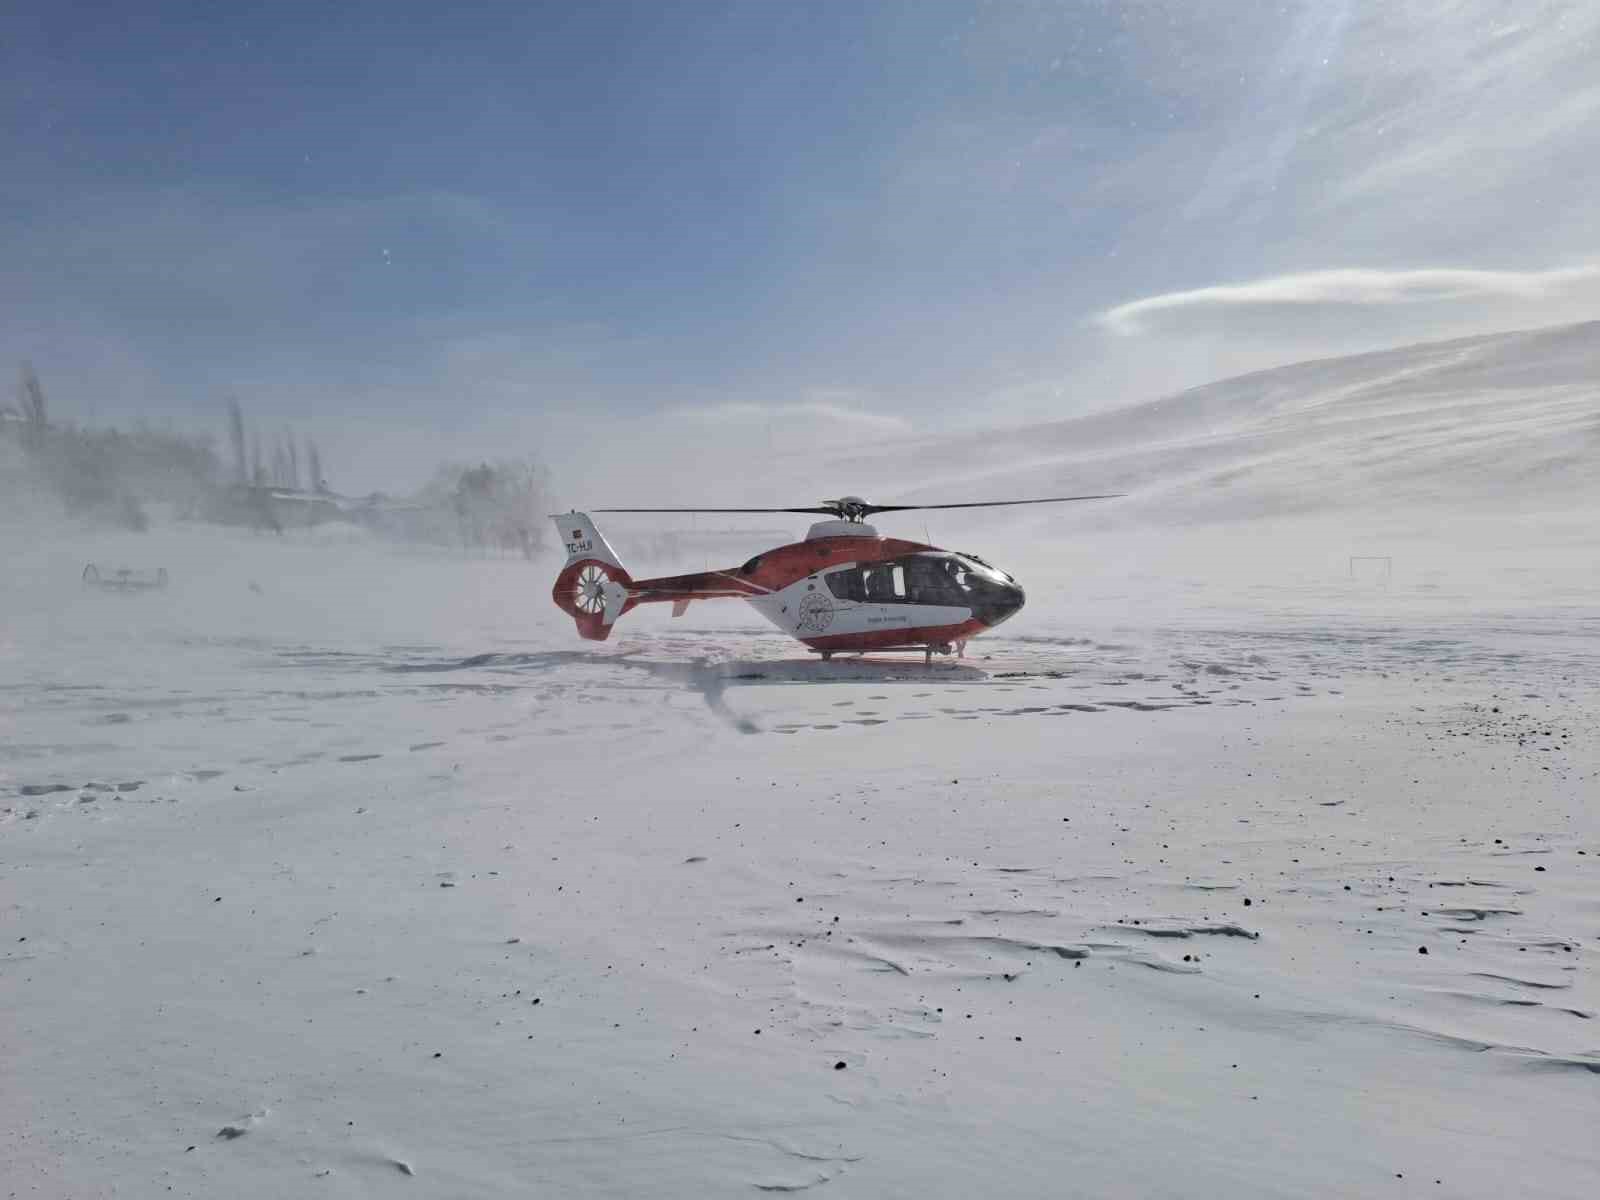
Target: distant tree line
point(272, 482)
point(106, 475)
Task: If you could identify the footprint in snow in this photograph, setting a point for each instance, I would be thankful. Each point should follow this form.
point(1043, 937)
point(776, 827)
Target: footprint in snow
point(244, 1125)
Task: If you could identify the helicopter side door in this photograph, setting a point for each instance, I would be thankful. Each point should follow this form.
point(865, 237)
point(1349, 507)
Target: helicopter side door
point(913, 592)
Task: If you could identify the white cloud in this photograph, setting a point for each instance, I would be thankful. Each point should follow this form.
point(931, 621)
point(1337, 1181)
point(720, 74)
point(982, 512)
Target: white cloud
point(1346, 288)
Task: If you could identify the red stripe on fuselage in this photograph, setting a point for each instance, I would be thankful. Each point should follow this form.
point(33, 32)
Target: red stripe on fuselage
point(774, 570)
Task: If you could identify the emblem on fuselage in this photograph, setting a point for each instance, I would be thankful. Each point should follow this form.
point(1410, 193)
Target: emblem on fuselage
point(816, 613)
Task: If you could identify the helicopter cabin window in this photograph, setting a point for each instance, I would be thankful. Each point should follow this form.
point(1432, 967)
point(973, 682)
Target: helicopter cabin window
point(936, 580)
point(886, 583)
point(877, 583)
point(846, 585)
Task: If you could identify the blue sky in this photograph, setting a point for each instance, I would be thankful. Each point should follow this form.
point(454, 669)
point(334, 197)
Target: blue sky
point(428, 229)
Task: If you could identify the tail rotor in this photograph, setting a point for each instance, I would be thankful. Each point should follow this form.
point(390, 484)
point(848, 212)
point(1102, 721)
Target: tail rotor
point(593, 587)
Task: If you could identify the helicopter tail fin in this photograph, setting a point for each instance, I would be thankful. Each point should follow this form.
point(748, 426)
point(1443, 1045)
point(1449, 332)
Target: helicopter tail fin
point(593, 587)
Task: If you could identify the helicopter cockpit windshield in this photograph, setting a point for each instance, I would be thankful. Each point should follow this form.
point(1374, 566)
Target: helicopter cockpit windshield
point(942, 579)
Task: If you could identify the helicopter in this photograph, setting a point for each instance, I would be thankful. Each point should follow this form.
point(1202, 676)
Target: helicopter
point(843, 589)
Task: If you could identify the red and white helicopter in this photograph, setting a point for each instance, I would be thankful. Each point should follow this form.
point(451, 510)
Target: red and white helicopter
point(845, 588)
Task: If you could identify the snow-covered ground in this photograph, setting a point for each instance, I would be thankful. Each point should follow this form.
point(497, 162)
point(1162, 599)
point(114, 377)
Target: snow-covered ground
point(1229, 867)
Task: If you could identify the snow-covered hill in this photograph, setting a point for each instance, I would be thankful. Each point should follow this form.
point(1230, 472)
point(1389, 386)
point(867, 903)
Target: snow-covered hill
point(1507, 422)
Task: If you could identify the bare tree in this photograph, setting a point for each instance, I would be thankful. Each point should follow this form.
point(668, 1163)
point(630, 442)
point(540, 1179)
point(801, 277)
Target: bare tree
point(292, 455)
point(236, 435)
point(280, 466)
point(497, 505)
point(314, 466)
point(30, 395)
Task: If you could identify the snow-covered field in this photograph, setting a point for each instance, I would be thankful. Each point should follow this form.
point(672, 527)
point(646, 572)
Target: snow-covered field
point(1227, 868)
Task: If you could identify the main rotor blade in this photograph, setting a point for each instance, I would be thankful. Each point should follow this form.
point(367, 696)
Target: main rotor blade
point(826, 512)
point(871, 509)
point(850, 508)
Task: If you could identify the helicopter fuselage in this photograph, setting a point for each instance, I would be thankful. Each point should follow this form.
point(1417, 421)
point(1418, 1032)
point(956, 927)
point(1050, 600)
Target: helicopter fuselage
point(844, 588)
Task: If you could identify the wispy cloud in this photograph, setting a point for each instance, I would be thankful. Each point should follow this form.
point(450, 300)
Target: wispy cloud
point(818, 413)
point(1176, 312)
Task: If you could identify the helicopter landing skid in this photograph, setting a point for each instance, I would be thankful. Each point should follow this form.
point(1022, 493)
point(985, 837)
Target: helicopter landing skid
point(928, 650)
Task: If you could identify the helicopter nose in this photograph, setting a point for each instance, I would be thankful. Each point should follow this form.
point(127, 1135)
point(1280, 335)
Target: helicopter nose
point(1005, 603)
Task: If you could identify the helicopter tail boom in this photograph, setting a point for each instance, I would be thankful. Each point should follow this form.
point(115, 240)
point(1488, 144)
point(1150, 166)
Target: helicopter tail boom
point(595, 589)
